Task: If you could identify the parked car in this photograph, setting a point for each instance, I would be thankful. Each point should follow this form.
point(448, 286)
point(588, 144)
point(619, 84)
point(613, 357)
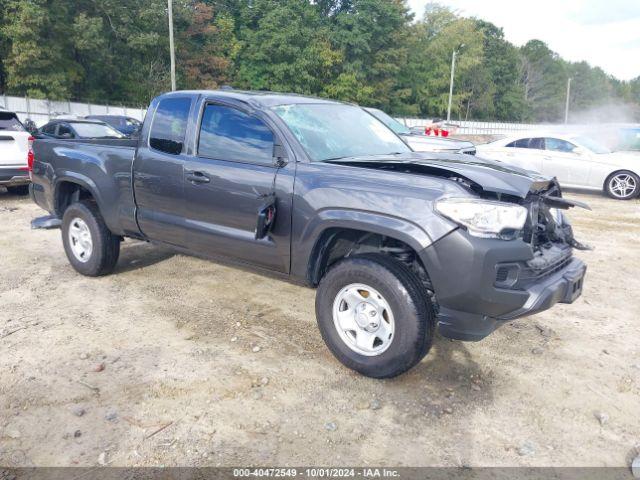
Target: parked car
point(15, 154)
point(128, 126)
point(420, 142)
point(628, 139)
point(79, 129)
point(577, 161)
point(323, 194)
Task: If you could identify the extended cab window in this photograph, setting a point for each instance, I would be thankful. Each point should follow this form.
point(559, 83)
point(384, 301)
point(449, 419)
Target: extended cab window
point(229, 134)
point(169, 125)
point(65, 130)
point(49, 129)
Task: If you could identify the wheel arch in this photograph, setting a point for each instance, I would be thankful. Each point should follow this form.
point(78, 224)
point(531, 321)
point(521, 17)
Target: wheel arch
point(337, 242)
point(73, 187)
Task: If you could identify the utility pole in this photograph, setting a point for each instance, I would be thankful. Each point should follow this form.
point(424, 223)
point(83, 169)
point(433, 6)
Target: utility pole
point(453, 69)
point(172, 52)
point(566, 106)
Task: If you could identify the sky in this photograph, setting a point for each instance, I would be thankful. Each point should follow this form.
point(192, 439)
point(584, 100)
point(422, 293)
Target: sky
point(605, 33)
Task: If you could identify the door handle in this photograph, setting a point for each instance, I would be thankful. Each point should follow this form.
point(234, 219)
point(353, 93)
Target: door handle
point(197, 177)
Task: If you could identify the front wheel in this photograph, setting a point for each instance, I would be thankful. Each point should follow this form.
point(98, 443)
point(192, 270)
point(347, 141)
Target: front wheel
point(622, 185)
point(91, 248)
point(374, 315)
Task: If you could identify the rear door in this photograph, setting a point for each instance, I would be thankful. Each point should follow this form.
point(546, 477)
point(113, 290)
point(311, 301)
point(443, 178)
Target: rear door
point(158, 172)
point(228, 181)
point(14, 142)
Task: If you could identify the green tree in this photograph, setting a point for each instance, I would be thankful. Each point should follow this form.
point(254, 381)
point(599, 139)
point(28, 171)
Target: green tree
point(544, 78)
point(285, 47)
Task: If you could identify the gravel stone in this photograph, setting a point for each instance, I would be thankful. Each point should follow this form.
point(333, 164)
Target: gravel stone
point(78, 411)
point(526, 449)
point(330, 426)
point(602, 417)
point(111, 416)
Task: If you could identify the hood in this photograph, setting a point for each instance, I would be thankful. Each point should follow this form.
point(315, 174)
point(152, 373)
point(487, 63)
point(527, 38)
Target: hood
point(489, 175)
point(430, 144)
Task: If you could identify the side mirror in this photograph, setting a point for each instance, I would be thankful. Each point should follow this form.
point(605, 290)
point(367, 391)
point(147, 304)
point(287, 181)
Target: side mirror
point(279, 155)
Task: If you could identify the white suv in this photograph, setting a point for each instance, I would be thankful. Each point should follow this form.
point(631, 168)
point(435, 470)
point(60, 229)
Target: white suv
point(15, 152)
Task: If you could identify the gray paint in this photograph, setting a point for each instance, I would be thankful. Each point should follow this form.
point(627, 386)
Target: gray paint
point(148, 194)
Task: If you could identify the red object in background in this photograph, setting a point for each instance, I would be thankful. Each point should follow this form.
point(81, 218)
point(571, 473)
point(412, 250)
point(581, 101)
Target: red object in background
point(436, 132)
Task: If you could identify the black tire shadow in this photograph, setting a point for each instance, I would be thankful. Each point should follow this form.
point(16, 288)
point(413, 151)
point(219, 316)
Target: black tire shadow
point(135, 255)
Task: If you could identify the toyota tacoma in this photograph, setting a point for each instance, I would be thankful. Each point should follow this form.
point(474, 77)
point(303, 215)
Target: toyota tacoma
point(398, 243)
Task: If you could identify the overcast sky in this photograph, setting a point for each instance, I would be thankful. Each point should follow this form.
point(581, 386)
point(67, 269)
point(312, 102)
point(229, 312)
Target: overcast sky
point(605, 33)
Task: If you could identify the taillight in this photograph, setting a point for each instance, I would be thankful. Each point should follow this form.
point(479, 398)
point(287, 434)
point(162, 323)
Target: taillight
point(30, 156)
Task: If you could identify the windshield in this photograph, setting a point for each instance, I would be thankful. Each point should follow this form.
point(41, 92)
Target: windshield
point(9, 121)
point(95, 130)
point(389, 121)
point(591, 144)
point(334, 131)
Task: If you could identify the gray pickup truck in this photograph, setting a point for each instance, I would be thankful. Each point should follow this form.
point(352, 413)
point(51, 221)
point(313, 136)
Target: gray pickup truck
point(398, 243)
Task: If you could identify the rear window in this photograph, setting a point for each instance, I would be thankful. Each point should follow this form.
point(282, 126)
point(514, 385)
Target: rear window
point(169, 125)
point(522, 143)
point(9, 121)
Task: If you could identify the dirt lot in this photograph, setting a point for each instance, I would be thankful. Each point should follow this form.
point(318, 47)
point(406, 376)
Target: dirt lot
point(157, 365)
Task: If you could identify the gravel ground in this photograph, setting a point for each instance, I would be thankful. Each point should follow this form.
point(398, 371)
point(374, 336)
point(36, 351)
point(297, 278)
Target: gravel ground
point(174, 360)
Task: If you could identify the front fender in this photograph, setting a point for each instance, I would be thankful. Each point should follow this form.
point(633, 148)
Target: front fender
point(416, 236)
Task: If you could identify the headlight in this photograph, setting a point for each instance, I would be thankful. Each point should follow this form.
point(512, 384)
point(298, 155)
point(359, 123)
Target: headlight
point(484, 218)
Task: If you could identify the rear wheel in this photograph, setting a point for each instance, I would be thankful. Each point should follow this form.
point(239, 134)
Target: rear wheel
point(622, 185)
point(18, 190)
point(91, 248)
point(374, 315)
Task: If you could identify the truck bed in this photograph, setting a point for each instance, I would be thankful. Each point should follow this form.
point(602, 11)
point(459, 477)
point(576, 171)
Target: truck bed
point(102, 166)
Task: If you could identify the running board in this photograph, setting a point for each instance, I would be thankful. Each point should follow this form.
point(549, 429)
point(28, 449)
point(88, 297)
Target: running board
point(47, 222)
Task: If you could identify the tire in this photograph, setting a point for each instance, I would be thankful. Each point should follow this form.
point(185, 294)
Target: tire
point(19, 190)
point(101, 258)
point(622, 185)
point(411, 314)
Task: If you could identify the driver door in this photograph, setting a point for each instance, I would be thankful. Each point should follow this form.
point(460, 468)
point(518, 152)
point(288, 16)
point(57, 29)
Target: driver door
point(227, 183)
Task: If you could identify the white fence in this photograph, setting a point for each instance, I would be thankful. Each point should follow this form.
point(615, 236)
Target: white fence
point(41, 111)
point(479, 128)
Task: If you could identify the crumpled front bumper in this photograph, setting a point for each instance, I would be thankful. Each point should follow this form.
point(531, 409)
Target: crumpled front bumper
point(471, 306)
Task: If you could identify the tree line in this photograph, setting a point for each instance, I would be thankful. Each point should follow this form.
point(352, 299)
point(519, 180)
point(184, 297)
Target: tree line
point(373, 52)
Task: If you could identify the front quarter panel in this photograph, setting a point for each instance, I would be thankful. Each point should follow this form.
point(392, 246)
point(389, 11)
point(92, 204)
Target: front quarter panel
point(393, 204)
